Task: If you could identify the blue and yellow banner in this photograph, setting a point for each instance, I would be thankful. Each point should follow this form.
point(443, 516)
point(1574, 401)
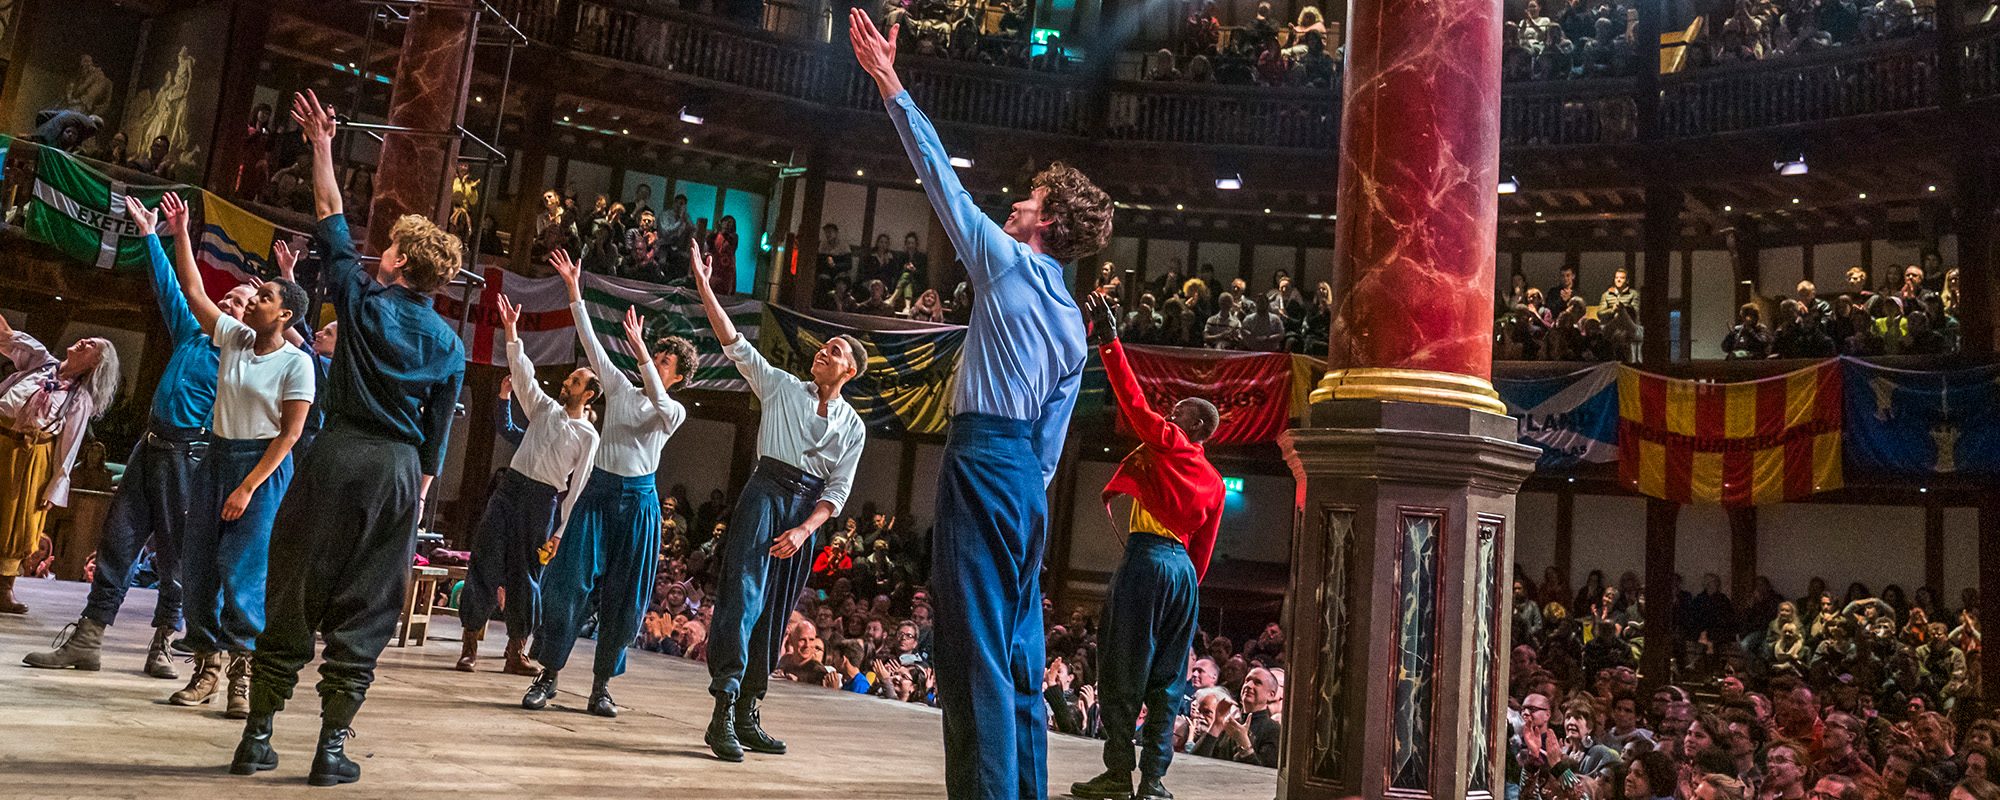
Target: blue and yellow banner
point(907, 388)
point(1922, 424)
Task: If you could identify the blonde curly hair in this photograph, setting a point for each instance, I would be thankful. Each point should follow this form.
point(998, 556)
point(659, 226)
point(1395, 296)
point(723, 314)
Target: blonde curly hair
point(433, 257)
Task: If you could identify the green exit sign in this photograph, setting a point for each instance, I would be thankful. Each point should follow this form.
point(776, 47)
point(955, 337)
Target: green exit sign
point(1232, 484)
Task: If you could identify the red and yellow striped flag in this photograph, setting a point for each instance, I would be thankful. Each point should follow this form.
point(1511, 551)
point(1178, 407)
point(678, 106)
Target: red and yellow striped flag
point(1737, 444)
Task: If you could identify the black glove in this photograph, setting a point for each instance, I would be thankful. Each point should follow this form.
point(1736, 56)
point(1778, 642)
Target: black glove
point(1103, 322)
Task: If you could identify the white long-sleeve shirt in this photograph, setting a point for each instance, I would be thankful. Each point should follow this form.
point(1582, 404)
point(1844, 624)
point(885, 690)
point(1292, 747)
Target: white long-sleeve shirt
point(558, 449)
point(637, 422)
point(792, 430)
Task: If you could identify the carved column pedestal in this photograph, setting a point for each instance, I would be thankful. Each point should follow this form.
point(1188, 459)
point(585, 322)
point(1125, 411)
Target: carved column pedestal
point(1397, 620)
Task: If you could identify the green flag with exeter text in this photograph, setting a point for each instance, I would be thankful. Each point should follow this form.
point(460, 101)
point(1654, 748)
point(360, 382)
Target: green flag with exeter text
point(81, 212)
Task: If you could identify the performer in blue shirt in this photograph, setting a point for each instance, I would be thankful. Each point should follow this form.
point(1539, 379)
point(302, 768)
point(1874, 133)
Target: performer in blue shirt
point(346, 532)
point(163, 475)
point(1017, 383)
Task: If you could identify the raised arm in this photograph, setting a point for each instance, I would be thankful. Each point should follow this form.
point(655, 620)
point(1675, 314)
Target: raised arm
point(981, 244)
point(534, 401)
point(25, 351)
point(649, 375)
point(756, 370)
point(181, 323)
point(316, 124)
point(1146, 423)
point(191, 290)
point(614, 380)
point(718, 320)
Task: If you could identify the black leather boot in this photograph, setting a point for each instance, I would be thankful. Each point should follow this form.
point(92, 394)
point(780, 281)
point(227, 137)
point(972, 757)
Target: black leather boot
point(1108, 785)
point(600, 701)
point(1150, 788)
point(750, 729)
point(254, 753)
point(331, 766)
point(721, 736)
point(540, 692)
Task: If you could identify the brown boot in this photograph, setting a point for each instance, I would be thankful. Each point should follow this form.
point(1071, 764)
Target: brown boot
point(206, 683)
point(239, 686)
point(468, 654)
point(518, 662)
point(8, 605)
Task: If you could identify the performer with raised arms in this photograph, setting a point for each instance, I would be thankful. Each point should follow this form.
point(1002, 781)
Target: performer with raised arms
point(1149, 617)
point(611, 543)
point(553, 457)
point(808, 444)
point(346, 533)
point(1017, 383)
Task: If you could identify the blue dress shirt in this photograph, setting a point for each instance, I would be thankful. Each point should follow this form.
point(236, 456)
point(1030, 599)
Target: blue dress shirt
point(186, 395)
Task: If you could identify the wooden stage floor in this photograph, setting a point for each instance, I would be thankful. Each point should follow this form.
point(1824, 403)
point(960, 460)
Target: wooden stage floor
point(429, 731)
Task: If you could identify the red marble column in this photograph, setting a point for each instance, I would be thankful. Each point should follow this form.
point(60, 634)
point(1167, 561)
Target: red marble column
point(1414, 245)
point(433, 75)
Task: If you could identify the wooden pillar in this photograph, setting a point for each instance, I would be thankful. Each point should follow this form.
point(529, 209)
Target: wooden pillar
point(249, 24)
point(1745, 252)
point(427, 98)
point(812, 210)
point(1662, 630)
point(538, 128)
point(1989, 589)
point(906, 474)
point(1934, 547)
point(1565, 555)
point(1062, 524)
point(1661, 229)
point(1742, 552)
point(1974, 186)
point(482, 418)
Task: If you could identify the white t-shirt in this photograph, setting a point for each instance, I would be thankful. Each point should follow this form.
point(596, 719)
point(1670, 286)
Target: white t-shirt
point(250, 389)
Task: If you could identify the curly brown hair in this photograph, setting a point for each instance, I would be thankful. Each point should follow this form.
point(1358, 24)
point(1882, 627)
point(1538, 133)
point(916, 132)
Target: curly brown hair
point(433, 256)
point(685, 357)
point(1077, 212)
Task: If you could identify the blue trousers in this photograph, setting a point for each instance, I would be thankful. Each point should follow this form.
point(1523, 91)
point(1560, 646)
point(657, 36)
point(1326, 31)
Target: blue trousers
point(162, 477)
point(341, 549)
point(224, 563)
point(520, 515)
point(1143, 651)
point(757, 592)
point(986, 561)
point(610, 547)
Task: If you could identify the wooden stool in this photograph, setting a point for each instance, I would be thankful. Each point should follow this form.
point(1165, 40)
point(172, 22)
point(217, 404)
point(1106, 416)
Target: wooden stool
point(418, 600)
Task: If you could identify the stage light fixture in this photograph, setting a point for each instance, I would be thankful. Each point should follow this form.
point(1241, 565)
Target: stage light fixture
point(1791, 166)
point(961, 162)
point(1230, 182)
point(690, 118)
point(1510, 185)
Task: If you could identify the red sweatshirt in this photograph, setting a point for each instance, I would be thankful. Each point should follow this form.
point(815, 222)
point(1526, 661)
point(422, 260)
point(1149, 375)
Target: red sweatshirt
point(1168, 475)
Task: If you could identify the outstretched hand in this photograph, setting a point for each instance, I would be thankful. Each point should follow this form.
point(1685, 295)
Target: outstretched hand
point(510, 317)
point(173, 214)
point(287, 258)
point(559, 259)
point(703, 266)
point(635, 332)
point(1103, 319)
point(316, 121)
point(145, 218)
point(875, 52)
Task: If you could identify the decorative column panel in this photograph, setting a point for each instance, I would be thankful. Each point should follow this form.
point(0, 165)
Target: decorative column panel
point(1396, 617)
point(433, 77)
point(1413, 271)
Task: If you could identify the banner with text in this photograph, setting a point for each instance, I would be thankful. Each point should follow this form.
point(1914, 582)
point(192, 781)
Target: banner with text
point(1738, 444)
point(81, 212)
point(1253, 391)
point(907, 387)
point(1573, 418)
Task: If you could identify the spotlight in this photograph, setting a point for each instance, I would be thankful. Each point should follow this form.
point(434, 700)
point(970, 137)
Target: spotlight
point(1229, 183)
point(1931, 188)
point(686, 140)
point(859, 173)
point(961, 162)
point(1179, 207)
point(1795, 201)
point(1863, 195)
point(1792, 166)
point(689, 118)
point(1267, 211)
point(1510, 185)
point(1727, 209)
point(1538, 213)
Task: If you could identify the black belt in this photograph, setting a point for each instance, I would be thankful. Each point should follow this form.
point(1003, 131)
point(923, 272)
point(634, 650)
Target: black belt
point(788, 476)
point(160, 437)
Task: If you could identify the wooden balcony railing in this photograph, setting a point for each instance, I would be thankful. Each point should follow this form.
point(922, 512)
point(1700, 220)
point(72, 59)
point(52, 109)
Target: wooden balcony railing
point(1880, 78)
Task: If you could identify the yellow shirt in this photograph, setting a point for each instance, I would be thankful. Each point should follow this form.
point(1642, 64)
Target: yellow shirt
point(1143, 522)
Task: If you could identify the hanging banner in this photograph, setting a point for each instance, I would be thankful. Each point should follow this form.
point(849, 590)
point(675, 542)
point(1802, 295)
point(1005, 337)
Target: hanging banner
point(235, 246)
point(81, 212)
point(907, 387)
point(548, 333)
point(1737, 444)
point(669, 309)
point(1573, 418)
point(1923, 424)
point(1253, 391)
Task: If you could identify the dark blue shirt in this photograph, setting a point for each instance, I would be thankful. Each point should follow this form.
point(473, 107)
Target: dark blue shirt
point(186, 395)
point(397, 366)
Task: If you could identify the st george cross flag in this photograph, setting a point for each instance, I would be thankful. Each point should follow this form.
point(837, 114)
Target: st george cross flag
point(81, 212)
point(548, 335)
point(1758, 442)
point(670, 309)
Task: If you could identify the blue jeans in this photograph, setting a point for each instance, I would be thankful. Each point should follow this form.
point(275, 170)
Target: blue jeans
point(520, 515)
point(610, 546)
point(162, 477)
point(757, 592)
point(986, 562)
point(224, 563)
point(1143, 651)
